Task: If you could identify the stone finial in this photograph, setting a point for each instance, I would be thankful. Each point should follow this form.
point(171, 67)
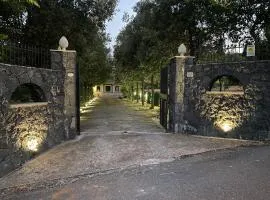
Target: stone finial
point(63, 43)
point(182, 49)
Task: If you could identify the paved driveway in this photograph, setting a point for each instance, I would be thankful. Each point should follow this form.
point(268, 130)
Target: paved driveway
point(115, 136)
point(238, 174)
point(108, 115)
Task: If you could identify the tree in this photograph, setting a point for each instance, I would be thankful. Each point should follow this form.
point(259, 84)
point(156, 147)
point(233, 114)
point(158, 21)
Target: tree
point(160, 26)
point(81, 21)
point(11, 18)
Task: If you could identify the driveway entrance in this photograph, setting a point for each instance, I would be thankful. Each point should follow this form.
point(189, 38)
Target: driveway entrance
point(109, 115)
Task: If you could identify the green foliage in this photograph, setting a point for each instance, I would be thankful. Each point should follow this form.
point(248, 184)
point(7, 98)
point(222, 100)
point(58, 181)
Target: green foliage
point(12, 17)
point(44, 22)
point(3, 37)
point(160, 26)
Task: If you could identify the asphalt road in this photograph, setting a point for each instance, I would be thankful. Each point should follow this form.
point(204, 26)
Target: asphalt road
point(240, 174)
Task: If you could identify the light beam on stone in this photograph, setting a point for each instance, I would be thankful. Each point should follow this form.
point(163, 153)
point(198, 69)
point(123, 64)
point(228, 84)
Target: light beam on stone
point(226, 127)
point(32, 144)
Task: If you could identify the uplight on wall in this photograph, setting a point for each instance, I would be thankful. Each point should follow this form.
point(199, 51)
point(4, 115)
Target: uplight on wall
point(32, 142)
point(226, 125)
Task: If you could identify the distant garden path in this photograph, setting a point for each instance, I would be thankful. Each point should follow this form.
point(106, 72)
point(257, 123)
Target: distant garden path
point(112, 115)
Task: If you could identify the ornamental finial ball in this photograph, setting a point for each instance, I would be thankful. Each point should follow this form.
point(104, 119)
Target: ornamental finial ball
point(182, 49)
point(63, 43)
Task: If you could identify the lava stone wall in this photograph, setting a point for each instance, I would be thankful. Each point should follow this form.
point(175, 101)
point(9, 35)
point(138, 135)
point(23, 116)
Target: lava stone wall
point(203, 112)
point(46, 119)
point(46, 123)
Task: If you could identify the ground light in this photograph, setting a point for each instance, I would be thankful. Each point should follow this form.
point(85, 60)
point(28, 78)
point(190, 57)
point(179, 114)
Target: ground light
point(226, 125)
point(32, 141)
point(32, 144)
point(88, 105)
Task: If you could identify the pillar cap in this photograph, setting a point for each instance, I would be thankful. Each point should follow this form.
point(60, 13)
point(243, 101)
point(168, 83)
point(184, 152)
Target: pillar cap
point(182, 50)
point(63, 43)
point(68, 51)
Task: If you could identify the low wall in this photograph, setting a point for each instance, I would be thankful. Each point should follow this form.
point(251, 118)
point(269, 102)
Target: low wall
point(27, 129)
point(196, 109)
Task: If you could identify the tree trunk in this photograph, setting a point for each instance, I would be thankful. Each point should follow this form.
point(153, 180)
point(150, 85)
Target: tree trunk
point(91, 92)
point(220, 85)
point(152, 92)
point(143, 99)
point(85, 93)
point(137, 92)
point(132, 92)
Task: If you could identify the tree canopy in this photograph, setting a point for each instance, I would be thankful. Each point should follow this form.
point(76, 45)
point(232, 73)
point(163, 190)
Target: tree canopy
point(160, 26)
point(43, 22)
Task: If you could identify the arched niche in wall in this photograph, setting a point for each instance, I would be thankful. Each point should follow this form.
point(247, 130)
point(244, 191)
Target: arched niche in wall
point(226, 84)
point(27, 93)
point(28, 118)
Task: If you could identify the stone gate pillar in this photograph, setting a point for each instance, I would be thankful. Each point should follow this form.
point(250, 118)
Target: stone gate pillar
point(177, 75)
point(66, 61)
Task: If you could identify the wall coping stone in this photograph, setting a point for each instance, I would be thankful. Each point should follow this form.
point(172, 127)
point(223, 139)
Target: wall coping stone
point(25, 105)
point(28, 68)
point(225, 92)
point(225, 63)
point(68, 51)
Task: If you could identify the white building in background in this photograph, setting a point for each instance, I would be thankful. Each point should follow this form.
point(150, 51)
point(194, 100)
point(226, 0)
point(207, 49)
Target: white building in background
point(108, 88)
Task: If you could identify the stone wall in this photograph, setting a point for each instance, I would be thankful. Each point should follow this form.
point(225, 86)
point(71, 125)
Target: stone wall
point(30, 128)
point(244, 115)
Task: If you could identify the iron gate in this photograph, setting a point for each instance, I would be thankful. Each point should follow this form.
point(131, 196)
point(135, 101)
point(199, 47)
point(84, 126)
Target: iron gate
point(164, 97)
point(78, 124)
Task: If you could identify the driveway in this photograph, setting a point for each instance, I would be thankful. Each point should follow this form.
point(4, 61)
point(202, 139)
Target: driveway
point(115, 135)
point(238, 174)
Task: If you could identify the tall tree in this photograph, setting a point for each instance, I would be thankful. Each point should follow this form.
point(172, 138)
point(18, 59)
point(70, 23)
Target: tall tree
point(159, 27)
point(12, 17)
point(81, 21)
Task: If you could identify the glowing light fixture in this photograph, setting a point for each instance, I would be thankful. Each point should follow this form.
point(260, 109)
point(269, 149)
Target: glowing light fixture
point(88, 105)
point(226, 127)
point(63, 43)
point(32, 144)
point(32, 141)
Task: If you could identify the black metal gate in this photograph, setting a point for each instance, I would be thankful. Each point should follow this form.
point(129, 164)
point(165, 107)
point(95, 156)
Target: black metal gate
point(78, 124)
point(164, 97)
